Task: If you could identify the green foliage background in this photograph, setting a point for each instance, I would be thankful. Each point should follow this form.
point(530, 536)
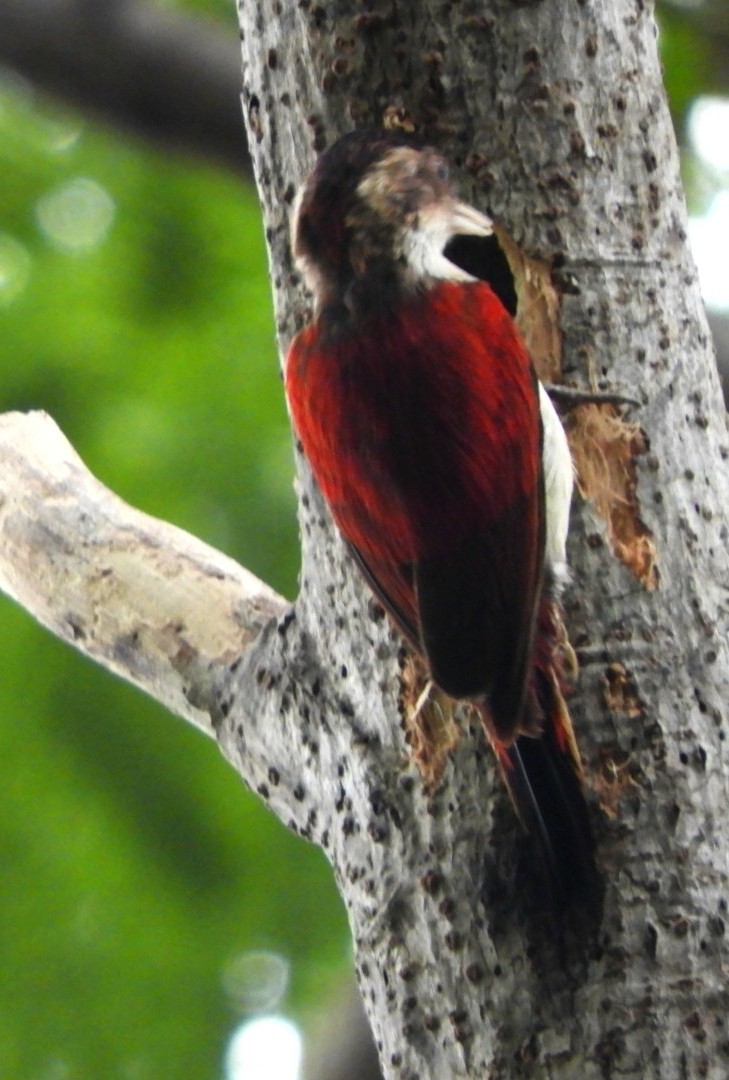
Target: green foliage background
point(134, 865)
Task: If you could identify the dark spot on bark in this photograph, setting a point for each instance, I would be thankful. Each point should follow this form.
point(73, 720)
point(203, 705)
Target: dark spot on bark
point(607, 1049)
point(348, 825)
point(263, 791)
point(651, 940)
point(461, 1028)
point(650, 161)
point(285, 621)
point(376, 611)
point(454, 940)
point(368, 21)
point(274, 776)
point(591, 45)
point(447, 908)
point(497, 970)
point(431, 882)
point(76, 626)
point(695, 1025)
point(716, 926)
point(408, 972)
point(474, 973)
point(254, 118)
point(299, 793)
point(410, 1003)
point(378, 831)
point(272, 59)
point(431, 1023)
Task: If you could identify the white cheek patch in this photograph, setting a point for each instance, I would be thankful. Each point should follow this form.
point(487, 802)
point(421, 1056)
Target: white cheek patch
point(423, 252)
point(425, 240)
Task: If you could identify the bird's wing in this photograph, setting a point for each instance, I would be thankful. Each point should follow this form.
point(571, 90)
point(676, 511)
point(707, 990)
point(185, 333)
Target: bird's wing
point(425, 437)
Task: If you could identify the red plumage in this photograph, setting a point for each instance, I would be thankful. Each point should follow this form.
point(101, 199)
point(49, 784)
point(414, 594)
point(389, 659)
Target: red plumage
point(419, 411)
point(423, 432)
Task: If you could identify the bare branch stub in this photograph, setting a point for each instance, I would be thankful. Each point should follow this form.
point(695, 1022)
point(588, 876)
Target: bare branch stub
point(138, 595)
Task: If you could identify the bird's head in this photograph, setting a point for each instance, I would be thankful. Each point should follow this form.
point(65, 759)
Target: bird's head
point(375, 216)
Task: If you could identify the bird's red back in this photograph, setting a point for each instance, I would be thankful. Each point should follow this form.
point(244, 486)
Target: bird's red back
point(422, 428)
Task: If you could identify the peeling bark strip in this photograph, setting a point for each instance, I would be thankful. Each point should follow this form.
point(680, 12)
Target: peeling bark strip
point(605, 448)
point(604, 445)
point(538, 310)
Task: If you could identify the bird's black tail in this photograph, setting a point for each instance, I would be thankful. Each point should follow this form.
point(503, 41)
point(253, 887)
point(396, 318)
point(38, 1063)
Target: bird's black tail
point(549, 799)
point(543, 772)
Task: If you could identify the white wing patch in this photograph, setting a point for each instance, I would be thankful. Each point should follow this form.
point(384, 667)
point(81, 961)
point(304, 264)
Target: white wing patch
point(558, 485)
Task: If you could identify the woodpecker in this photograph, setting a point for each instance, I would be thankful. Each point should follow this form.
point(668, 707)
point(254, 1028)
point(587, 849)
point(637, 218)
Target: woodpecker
point(444, 464)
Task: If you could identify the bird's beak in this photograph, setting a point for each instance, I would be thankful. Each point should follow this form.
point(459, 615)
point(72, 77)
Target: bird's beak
point(465, 220)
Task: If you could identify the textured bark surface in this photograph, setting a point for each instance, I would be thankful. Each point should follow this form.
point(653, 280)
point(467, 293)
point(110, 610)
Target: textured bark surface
point(141, 597)
point(556, 116)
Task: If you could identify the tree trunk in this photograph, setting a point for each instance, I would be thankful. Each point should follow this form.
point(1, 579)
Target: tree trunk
point(555, 117)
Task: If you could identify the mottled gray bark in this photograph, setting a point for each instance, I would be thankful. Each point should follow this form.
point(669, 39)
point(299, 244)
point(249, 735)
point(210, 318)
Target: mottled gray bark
point(556, 117)
point(140, 596)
